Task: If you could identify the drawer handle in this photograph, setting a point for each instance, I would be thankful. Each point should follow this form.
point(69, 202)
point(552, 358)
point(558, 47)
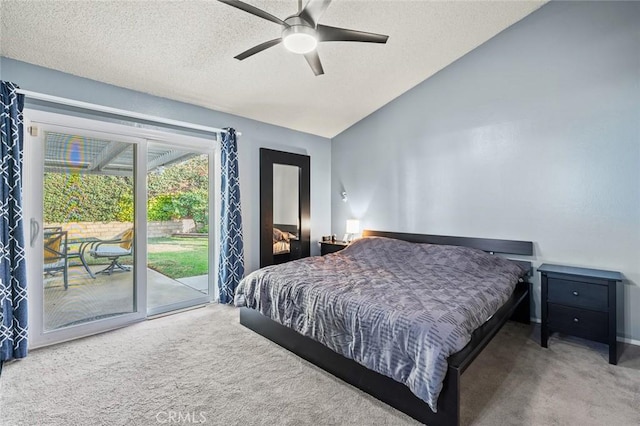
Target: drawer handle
point(575, 293)
point(576, 320)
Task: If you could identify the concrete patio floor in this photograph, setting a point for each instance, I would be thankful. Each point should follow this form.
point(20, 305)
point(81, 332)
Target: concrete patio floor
point(88, 299)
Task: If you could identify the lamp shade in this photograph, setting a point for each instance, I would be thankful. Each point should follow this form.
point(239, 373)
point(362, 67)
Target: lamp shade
point(353, 226)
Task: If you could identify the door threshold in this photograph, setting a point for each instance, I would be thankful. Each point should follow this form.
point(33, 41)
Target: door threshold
point(177, 311)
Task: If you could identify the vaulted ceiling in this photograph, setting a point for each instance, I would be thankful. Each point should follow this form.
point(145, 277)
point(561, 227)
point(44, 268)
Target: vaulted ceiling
point(184, 50)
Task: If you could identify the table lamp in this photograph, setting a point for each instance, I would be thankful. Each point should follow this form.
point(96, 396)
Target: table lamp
point(353, 228)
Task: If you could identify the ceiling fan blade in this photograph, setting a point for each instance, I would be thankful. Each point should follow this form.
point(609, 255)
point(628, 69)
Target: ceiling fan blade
point(314, 10)
point(254, 11)
point(327, 33)
point(257, 49)
point(314, 62)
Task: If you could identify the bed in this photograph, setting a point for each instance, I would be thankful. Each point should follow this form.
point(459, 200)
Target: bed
point(407, 347)
point(286, 245)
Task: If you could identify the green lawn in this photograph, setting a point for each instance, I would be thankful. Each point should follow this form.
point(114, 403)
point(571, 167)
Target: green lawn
point(171, 256)
point(179, 257)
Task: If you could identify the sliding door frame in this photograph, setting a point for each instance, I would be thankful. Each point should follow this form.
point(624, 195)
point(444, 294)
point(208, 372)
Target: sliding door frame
point(33, 175)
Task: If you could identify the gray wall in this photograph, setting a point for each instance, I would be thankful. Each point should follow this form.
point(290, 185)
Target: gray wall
point(254, 136)
point(535, 135)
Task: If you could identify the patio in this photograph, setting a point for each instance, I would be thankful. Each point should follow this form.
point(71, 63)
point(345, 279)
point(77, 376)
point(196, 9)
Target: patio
point(89, 299)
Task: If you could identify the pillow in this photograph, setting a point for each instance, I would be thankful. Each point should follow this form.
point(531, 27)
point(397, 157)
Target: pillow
point(52, 248)
point(126, 239)
point(471, 260)
point(278, 235)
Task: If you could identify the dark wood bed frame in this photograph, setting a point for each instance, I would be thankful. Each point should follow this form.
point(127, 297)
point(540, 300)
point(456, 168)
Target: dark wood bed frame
point(384, 388)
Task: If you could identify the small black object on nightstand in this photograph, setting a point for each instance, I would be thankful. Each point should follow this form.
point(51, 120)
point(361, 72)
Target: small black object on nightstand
point(580, 302)
point(327, 247)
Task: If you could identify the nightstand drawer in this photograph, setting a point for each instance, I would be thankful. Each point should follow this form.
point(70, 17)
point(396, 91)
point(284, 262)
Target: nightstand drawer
point(578, 294)
point(578, 322)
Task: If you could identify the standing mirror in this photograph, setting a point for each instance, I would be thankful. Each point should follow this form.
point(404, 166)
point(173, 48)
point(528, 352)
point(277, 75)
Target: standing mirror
point(285, 232)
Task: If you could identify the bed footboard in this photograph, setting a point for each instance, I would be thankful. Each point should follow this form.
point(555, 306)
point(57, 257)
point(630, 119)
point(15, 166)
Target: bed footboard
point(382, 387)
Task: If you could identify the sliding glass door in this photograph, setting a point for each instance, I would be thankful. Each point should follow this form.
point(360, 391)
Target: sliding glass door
point(87, 227)
point(178, 239)
point(83, 274)
point(118, 225)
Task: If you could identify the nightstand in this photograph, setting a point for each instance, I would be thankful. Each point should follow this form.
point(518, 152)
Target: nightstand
point(580, 302)
point(327, 247)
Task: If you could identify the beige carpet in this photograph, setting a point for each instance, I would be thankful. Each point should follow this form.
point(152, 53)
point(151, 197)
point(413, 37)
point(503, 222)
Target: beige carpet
point(203, 364)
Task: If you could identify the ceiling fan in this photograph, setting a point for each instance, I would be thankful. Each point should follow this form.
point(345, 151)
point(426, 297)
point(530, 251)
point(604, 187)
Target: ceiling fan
point(301, 32)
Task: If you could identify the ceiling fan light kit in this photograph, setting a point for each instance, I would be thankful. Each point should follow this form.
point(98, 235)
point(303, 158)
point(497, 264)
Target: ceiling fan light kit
point(299, 39)
point(301, 32)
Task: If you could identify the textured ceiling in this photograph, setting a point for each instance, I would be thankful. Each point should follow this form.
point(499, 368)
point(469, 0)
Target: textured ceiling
point(184, 50)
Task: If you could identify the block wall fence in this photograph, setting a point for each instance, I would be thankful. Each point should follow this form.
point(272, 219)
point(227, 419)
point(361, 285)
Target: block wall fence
point(108, 230)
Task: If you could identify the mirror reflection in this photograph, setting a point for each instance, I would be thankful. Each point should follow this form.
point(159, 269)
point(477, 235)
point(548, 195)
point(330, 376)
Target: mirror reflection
point(286, 213)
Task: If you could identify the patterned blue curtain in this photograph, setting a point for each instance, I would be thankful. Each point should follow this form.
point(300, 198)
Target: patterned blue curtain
point(13, 281)
point(231, 265)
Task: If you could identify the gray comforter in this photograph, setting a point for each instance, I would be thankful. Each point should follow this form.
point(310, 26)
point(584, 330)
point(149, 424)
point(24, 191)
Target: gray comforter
point(395, 307)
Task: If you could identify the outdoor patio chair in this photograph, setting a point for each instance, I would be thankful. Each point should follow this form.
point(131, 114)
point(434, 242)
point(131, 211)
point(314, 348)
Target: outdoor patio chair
point(113, 250)
point(55, 254)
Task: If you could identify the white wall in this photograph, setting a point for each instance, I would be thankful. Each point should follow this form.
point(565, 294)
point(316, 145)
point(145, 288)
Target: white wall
point(255, 135)
point(535, 135)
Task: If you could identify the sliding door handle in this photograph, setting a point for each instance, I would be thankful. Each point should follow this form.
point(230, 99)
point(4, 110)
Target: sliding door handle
point(35, 230)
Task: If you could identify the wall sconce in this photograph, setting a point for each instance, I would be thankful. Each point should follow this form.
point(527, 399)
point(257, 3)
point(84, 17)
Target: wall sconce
point(343, 194)
point(353, 228)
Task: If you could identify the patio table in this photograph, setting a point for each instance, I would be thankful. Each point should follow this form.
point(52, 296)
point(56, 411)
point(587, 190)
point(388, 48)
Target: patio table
point(83, 244)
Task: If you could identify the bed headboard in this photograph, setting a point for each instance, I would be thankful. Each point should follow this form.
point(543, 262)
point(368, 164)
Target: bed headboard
point(293, 229)
point(522, 248)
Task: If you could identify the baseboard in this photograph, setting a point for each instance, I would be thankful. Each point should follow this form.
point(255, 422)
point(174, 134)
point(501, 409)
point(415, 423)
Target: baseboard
point(628, 340)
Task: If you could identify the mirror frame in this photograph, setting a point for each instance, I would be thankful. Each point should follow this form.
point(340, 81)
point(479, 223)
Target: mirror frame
point(269, 157)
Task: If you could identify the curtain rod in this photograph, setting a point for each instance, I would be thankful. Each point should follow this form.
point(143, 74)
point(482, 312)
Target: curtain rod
point(116, 111)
